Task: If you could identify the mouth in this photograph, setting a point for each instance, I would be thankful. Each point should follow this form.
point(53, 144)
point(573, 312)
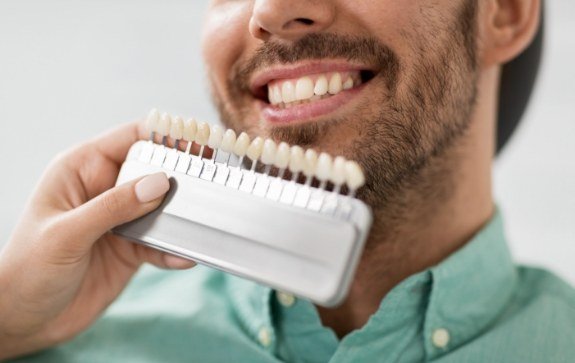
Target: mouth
point(305, 92)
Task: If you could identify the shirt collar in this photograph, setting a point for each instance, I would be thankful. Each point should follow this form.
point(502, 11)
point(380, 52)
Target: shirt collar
point(462, 295)
point(470, 288)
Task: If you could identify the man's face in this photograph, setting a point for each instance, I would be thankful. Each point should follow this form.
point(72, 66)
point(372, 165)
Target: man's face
point(387, 83)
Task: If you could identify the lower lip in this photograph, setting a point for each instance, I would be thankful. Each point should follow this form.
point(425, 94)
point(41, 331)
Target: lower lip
point(308, 111)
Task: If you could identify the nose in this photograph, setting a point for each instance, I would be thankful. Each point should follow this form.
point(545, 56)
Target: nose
point(290, 19)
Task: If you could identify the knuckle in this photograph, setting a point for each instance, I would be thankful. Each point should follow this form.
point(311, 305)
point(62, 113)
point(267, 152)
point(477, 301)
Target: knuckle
point(52, 239)
point(61, 158)
point(52, 230)
point(54, 246)
point(71, 155)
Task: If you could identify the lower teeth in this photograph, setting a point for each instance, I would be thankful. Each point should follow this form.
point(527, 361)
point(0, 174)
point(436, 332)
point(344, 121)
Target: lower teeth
point(296, 103)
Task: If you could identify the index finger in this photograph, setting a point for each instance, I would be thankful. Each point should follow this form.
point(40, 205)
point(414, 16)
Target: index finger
point(114, 144)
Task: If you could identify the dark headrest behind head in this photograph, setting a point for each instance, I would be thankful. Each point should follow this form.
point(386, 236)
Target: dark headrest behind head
point(517, 81)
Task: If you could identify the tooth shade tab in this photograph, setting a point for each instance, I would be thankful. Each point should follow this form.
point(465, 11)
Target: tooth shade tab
point(242, 144)
point(153, 120)
point(190, 129)
point(203, 133)
point(228, 141)
point(310, 162)
point(296, 160)
point(216, 136)
point(354, 175)
point(324, 167)
point(282, 156)
point(165, 124)
point(177, 128)
point(254, 151)
point(338, 171)
point(269, 152)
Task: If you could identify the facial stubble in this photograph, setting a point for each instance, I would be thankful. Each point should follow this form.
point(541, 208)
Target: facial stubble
point(423, 110)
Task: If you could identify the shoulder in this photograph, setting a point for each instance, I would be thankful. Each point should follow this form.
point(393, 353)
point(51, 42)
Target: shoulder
point(540, 289)
point(536, 325)
point(539, 322)
point(162, 316)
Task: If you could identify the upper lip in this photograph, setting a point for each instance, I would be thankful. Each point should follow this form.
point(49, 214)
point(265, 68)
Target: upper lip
point(260, 79)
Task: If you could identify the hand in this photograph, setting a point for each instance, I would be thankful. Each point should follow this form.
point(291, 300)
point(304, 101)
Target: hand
point(62, 267)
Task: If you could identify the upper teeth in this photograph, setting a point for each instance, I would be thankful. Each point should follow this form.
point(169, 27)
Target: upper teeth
point(293, 91)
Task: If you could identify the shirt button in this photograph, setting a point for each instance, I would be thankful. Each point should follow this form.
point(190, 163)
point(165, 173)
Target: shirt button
point(264, 337)
point(285, 299)
point(440, 338)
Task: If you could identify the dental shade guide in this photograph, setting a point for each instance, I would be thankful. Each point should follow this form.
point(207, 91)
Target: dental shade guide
point(293, 237)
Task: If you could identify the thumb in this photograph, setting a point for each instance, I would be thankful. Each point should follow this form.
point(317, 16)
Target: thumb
point(116, 206)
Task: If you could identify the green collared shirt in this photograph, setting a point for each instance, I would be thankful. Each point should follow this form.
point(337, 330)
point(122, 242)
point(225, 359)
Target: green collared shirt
point(475, 306)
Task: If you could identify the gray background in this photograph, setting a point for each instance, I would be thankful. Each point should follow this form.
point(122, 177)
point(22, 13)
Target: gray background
point(71, 69)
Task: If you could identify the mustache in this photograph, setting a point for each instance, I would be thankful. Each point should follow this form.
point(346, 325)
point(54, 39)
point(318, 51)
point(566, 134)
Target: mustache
point(314, 46)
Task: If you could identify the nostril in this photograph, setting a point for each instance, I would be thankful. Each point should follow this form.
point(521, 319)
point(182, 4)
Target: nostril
point(304, 21)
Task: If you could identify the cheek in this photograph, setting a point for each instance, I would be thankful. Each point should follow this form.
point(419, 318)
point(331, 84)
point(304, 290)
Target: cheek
point(400, 25)
point(223, 39)
point(414, 29)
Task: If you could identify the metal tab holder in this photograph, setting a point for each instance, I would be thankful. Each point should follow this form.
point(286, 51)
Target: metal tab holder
point(248, 182)
point(288, 193)
point(171, 159)
point(146, 152)
point(209, 171)
point(196, 167)
point(159, 156)
point(290, 248)
point(222, 174)
point(316, 200)
point(262, 185)
point(183, 163)
point(275, 189)
point(302, 196)
point(235, 178)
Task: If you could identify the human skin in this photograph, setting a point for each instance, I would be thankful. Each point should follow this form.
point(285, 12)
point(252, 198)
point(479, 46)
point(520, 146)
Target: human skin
point(422, 127)
point(61, 267)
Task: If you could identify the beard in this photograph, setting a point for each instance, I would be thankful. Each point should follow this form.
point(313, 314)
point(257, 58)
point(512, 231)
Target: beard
point(420, 109)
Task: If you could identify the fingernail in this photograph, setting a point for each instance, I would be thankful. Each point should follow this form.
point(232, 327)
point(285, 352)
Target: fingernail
point(178, 263)
point(152, 187)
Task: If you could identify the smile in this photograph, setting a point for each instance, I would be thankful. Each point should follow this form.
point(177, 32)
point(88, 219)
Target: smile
point(308, 91)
